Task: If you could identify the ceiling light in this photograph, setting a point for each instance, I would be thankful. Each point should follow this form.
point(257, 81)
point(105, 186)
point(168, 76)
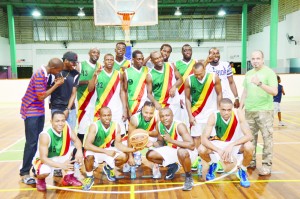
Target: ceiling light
point(81, 12)
point(36, 13)
point(178, 12)
point(222, 12)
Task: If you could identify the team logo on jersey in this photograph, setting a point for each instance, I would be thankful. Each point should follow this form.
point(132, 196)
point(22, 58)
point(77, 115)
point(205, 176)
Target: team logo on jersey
point(130, 81)
point(157, 86)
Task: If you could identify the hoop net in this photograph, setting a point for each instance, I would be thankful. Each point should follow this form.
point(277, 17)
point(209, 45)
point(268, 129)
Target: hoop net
point(126, 17)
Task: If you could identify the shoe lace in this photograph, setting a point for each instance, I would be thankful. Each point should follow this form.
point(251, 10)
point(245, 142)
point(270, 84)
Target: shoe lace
point(87, 180)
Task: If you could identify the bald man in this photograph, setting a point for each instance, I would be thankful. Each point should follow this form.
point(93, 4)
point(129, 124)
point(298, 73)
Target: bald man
point(86, 99)
point(260, 85)
point(33, 111)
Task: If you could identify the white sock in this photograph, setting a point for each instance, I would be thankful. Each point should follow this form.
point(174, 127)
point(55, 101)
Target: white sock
point(243, 167)
point(89, 174)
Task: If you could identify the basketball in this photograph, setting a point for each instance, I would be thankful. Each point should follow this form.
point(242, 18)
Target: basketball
point(138, 138)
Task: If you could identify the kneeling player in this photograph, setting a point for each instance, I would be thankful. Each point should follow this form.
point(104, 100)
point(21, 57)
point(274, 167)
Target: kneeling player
point(98, 147)
point(176, 146)
point(227, 134)
point(55, 151)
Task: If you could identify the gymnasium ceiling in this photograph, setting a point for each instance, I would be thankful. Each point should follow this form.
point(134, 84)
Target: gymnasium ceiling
point(165, 7)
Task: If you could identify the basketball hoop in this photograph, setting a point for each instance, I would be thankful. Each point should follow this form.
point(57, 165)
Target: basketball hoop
point(126, 17)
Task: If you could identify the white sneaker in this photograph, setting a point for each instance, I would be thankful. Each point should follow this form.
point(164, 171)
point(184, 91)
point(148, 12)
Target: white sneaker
point(126, 168)
point(155, 172)
point(281, 124)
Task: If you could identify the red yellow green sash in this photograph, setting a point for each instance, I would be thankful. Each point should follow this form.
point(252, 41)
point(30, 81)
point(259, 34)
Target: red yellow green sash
point(111, 136)
point(66, 140)
point(230, 129)
point(188, 72)
point(139, 92)
point(167, 85)
point(173, 135)
point(152, 124)
point(37, 163)
point(108, 93)
point(85, 99)
point(208, 87)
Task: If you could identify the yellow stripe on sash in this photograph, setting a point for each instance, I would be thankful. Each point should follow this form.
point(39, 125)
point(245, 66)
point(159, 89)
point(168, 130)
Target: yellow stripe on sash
point(164, 89)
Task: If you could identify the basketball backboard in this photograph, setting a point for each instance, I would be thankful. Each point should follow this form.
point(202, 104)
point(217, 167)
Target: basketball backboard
point(145, 12)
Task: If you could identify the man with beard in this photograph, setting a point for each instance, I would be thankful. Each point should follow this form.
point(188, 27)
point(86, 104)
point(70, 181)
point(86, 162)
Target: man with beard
point(120, 61)
point(86, 99)
point(224, 71)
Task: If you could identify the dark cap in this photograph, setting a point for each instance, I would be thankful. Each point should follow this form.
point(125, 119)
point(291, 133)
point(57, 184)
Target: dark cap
point(70, 56)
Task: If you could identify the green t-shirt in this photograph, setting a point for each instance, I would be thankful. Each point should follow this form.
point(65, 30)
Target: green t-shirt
point(257, 99)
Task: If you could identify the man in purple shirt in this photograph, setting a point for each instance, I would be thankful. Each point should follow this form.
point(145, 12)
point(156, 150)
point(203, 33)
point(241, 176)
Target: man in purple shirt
point(33, 111)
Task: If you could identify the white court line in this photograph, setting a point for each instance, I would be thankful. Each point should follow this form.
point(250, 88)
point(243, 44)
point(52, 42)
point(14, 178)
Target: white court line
point(11, 144)
point(19, 150)
point(6, 161)
point(278, 143)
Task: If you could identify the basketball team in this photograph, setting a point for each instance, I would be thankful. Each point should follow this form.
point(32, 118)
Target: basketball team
point(184, 107)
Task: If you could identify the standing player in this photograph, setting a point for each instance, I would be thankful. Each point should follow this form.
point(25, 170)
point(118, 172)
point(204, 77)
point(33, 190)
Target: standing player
point(86, 99)
point(162, 83)
point(98, 145)
point(176, 146)
point(121, 61)
point(227, 134)
point(33, 111)
point(55, 151)
point(108, 84)
point(135, 83)
point(224, 71)
point(203, 94)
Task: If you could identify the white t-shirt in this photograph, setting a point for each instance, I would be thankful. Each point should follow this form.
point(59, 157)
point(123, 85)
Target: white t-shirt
point(223, 70)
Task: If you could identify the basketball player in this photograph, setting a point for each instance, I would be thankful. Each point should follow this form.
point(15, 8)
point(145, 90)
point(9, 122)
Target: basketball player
point(86, 99)
point(224, 71)
point(135, 83)
point(55, 151)
point(203, 94)
point(98, 147)
point(162, 83)
point(121, 61)
point(145, 119)
point(165, 50)
point(33, 111)
point(176, 147)
point(108, 84)
point(227, 134)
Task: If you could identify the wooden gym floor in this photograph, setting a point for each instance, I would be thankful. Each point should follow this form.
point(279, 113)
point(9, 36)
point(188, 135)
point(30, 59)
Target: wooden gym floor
point(283, 183)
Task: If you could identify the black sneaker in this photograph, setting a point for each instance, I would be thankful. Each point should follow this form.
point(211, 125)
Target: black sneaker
point(109, 172)
point(172, 169)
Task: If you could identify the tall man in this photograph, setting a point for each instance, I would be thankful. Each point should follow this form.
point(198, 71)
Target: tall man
point(177, 146)
point(203, 94)
point(224, 71)
point(120, 61)
point(33, 111)
point(162, 83)
point(99, 147)
point(55, 151)
point(227, 134)
point(64, 97)
point(108, 84)
point(86, 99)
point(135, 83)
point(185, 68)
point(260, 85)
